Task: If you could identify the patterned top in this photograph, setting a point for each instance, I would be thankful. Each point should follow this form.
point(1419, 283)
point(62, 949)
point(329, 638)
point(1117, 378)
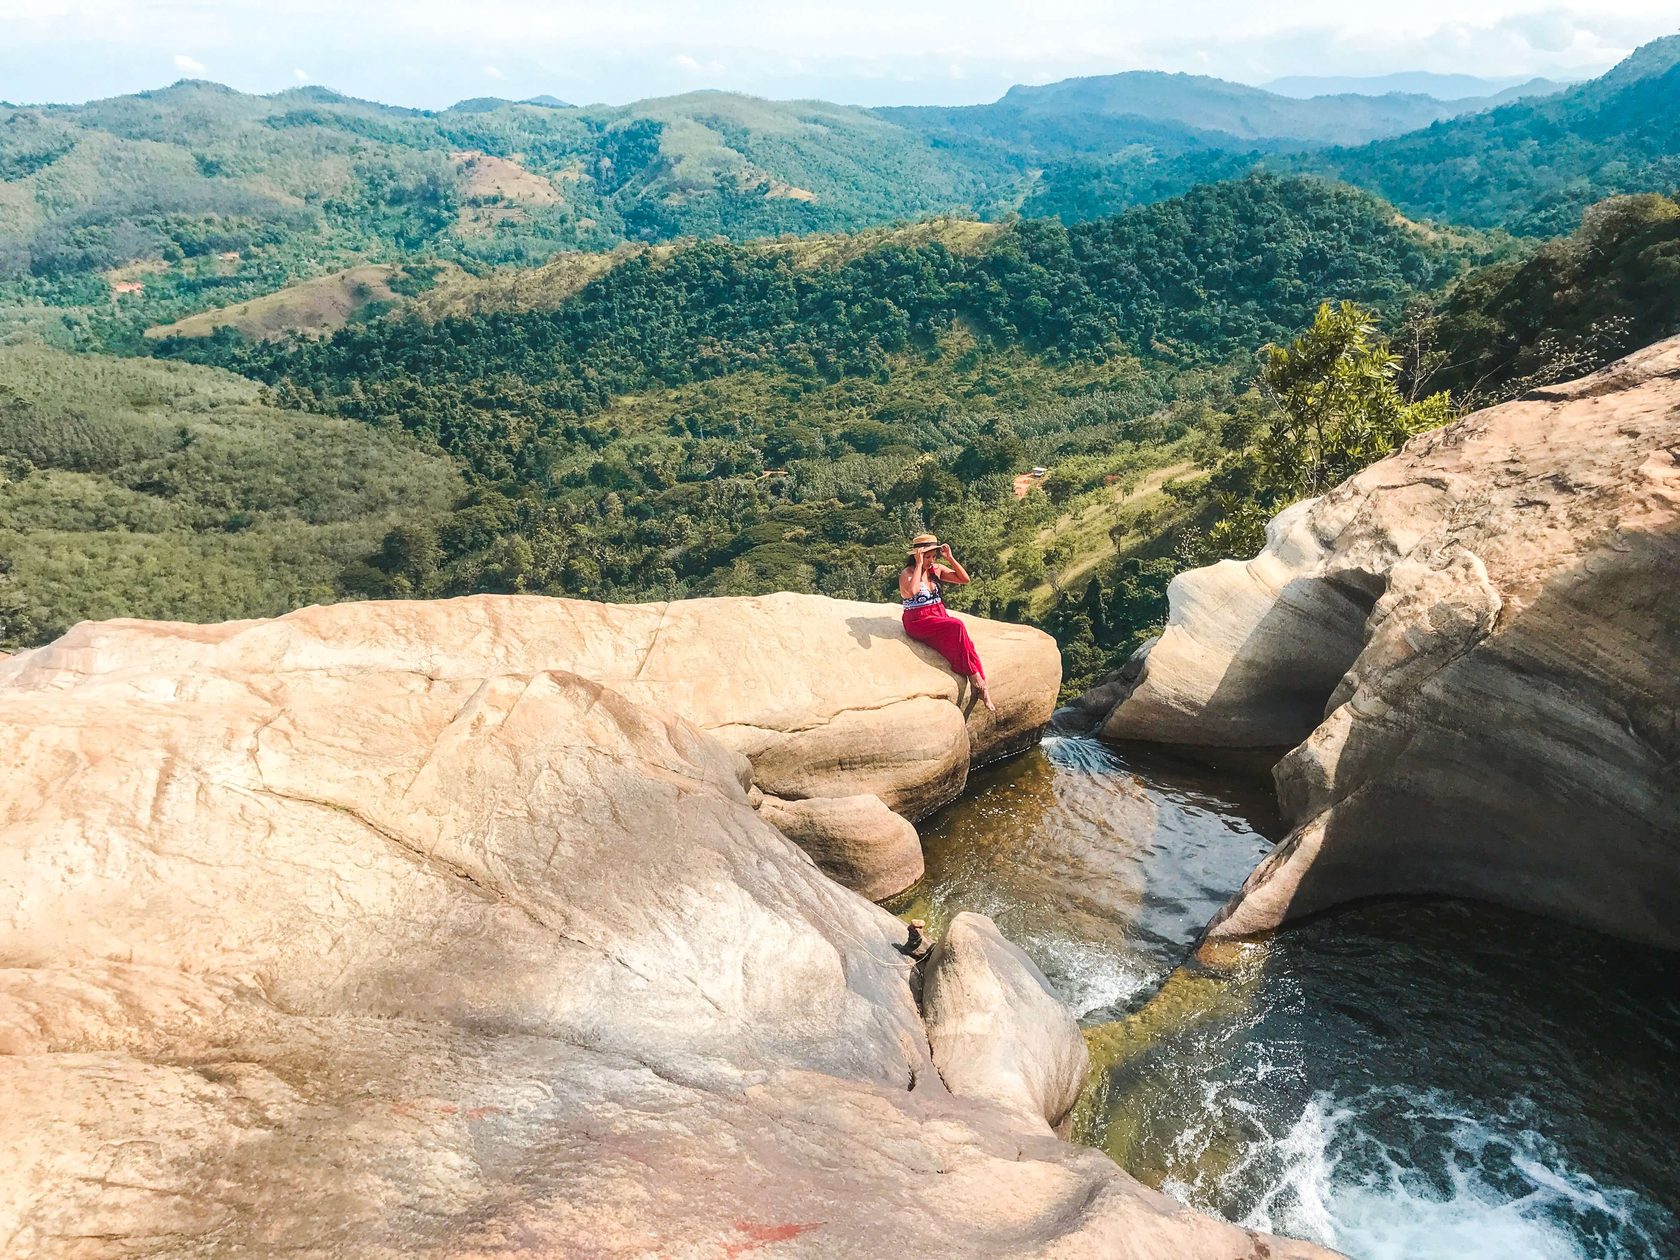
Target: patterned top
point(927, 597)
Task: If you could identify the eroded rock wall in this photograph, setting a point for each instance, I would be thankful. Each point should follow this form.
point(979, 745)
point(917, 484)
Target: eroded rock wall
point(1473, 647)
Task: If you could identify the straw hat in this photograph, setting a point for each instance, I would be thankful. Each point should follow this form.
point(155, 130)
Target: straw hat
point(922, 540)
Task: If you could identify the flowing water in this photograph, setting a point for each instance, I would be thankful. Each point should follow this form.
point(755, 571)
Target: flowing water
point(1416, 1079)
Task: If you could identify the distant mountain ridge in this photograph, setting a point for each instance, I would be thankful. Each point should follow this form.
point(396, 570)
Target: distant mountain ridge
point(122, 214)
point(1443, 87)
point(1531, 165)
point(144, 209)
point(1535, 164)
point(1171, 112)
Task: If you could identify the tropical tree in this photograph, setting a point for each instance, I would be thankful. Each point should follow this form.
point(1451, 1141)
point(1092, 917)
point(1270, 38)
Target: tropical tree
point(1337, 405)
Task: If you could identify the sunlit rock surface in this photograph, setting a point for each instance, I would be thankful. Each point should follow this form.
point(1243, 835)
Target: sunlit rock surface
point(369, 933)
point(855, 840)
point(1474, 646)
point(826, 698)
point(996, 1029)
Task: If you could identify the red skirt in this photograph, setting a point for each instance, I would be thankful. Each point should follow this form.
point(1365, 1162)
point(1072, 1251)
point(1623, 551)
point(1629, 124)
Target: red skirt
point(934, 626)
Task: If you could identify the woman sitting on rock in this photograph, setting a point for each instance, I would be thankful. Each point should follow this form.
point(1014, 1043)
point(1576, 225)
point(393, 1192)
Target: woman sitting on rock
point(925, 619)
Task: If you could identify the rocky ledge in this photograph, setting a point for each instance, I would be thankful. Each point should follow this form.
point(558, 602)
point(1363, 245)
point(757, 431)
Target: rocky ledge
point(853, 731)
point(452, 930)
point(1473, 648)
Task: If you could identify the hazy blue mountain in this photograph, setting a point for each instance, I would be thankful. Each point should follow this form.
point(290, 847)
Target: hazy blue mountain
point(1534, 165)
point(479, 105)
point(1443, 87)
point(1167, 113)
point(489, 104)
point(1521, 91)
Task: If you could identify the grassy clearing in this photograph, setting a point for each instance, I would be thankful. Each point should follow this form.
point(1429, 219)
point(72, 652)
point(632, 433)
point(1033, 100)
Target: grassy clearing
point(1086, 533)
point(322, 305)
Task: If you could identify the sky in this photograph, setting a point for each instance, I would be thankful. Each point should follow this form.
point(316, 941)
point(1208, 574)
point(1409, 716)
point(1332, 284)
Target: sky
point(431, 53)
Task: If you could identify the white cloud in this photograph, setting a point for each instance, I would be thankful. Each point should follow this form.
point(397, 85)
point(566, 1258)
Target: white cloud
point(416, 52)
point(693, 65)
point(1551, 32)
point(1556, 42)
point(300, 74)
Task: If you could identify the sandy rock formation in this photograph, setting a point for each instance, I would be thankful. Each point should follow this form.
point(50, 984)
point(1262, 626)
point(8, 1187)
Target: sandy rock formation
point(826, 698)
point(306, 947)
point(1473, 644)
point(996, 1029)
point(854, 840)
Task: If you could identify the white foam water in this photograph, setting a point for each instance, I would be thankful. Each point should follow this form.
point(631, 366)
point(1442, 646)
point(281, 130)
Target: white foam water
point(1103, 864)
point(1089, 977)
point(1468, 1189)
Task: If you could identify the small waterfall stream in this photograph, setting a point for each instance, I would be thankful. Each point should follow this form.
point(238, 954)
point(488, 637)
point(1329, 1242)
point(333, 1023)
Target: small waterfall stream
point(1416, 1079)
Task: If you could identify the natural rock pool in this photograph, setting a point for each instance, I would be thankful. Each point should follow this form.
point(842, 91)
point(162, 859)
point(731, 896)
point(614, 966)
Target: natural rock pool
point(1412, 1079)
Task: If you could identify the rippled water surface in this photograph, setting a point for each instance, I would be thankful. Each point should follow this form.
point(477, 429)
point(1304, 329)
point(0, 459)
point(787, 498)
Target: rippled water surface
point(1399, 1079)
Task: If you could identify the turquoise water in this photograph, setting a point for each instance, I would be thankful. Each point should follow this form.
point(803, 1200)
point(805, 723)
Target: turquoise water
point(1418, 1079)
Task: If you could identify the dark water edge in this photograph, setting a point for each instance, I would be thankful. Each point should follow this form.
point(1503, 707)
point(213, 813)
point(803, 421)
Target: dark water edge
point(1406, 1078)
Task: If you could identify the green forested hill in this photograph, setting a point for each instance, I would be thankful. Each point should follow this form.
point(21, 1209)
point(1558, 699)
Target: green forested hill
point(1531, 166)
point(1577, 302)
point(138, 210)
point(718, 418)
point(133, 488)
point(1168, 113)
point(713, 418)
point(1222, 267)
point(1080, 188)
point(1535, 165)
point(308, 177)
point(683, 414)
point(133, 212)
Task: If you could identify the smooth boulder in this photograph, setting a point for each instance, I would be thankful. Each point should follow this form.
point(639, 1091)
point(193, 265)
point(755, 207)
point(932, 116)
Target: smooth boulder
point(855, 840)
point(826, 698)
point(337, 954)
point(1472, 647)
point(997, 1030)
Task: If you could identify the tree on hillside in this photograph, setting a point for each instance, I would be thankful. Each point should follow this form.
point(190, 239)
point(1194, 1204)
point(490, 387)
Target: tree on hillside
point(18, 628)
point(1338, 406)
point(1567, 309)
point(1325, 406)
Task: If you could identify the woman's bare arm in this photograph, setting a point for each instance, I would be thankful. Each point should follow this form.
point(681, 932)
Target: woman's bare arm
point(951, 571)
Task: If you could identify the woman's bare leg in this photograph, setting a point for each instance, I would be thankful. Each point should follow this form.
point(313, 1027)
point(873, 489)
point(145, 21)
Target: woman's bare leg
point(985, 692)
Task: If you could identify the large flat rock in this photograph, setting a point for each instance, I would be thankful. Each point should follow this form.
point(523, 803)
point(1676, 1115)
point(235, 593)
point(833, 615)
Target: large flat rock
point(1472, 646)
point(757, 673)
point(314, 950)
point(826, 698)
